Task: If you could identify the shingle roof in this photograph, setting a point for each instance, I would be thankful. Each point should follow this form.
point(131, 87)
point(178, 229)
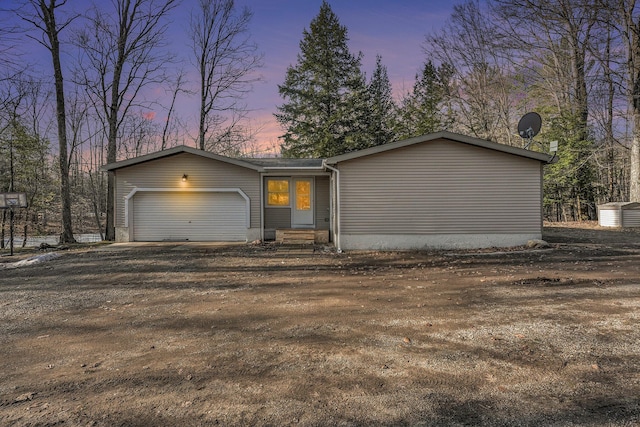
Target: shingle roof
point(263, 164)
point(177, 150)
point(441, 135)
point(280, 163)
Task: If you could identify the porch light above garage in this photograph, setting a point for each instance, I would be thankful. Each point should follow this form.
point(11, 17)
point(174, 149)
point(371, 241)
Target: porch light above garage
point(184, 177)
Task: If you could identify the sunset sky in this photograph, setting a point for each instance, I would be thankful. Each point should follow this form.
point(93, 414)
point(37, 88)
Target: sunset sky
point(393, 29)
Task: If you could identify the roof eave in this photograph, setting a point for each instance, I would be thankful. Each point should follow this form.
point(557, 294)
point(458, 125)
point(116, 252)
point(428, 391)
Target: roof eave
point(178, 150)
point(271, 168)
point(441, 135)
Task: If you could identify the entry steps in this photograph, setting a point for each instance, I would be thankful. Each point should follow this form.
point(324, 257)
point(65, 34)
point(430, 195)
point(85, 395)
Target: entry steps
point(295, 236)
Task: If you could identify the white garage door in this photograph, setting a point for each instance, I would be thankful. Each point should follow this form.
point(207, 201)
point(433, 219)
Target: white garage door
point(194, 216)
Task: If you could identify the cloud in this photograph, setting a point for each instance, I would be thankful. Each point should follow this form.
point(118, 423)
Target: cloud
point(149, 115)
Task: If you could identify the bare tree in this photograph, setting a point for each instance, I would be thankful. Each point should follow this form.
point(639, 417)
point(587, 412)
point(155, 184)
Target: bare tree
point(549, 42)
point(10, 35)
point(177, 87)
point(226, 60)
point(629, 22)
point(123, 53)
point(608, 106)
point(556, 35)
point(44, 18)
point(481, 81)
point(137, 135)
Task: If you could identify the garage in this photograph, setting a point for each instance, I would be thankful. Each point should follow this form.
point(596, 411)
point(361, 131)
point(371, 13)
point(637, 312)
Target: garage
point(192, 216)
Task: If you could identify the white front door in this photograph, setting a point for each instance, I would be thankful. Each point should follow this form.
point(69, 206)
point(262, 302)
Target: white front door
point(302, 210)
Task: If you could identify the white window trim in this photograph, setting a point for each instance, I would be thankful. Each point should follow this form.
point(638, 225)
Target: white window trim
point(266, 193)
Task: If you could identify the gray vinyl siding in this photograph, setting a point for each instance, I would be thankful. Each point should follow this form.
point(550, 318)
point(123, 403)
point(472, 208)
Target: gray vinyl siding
point(202, 173)
point(323, 203)
point(631, 218)
point(277, 218)
point(440, 187)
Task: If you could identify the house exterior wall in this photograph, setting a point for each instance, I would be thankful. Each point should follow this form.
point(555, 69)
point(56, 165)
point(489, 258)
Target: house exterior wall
point(440, 194)
point(277, 218)
point(323, 197)
point(203, 173)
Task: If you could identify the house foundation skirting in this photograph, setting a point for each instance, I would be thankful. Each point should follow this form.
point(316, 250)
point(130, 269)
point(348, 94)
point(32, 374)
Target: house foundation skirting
point(123, 236)
point(435, 241)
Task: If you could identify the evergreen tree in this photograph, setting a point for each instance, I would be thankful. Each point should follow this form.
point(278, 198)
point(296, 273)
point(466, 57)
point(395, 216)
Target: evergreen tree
point(422, 111)
point(357, 120)
point(323, 93)
point(569, 192)
point(24, 167)
point(381, 106)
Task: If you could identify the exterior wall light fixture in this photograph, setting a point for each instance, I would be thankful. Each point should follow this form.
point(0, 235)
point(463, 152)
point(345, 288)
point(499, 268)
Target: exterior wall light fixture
point(184, 177)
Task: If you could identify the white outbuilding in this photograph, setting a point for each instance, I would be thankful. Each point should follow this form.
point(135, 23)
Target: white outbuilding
point(619, 214)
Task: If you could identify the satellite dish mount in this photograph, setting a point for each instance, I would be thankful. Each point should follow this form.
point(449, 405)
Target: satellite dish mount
point(529, 126)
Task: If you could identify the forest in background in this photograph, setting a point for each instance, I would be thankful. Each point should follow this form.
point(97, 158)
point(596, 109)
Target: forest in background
point(575, 62)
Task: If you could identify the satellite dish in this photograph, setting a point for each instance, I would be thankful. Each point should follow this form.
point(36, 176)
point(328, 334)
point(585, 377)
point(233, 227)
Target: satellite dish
point(529, 125)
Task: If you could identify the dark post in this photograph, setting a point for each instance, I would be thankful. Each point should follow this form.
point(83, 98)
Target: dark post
point(11, 230)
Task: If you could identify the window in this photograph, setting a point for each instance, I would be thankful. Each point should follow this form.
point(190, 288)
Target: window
point(278, 192)
point(303, 195)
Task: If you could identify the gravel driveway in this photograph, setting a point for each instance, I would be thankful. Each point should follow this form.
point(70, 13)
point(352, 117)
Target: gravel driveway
point(198, 334)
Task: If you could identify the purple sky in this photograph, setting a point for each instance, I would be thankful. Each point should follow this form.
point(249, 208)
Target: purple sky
point(393, 29)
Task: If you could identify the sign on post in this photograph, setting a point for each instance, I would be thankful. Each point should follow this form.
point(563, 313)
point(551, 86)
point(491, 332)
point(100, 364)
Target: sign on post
point(13, 200)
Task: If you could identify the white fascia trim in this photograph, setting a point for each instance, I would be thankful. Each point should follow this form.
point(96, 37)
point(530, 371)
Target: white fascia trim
point(128, 197)
point(294, 172)
point(270, 168)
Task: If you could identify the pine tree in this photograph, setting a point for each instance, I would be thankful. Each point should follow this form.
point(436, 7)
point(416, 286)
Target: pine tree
point(322, 114)
point(381, 107)
point(422, 111)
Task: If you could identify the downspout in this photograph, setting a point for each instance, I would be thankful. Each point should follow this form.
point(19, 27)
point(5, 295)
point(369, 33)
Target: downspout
point(336, 219)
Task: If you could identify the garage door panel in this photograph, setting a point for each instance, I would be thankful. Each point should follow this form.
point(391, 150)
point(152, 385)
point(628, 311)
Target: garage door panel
point(194, 216)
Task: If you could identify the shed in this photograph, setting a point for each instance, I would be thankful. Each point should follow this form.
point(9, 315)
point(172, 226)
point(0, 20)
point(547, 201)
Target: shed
point(619, 214)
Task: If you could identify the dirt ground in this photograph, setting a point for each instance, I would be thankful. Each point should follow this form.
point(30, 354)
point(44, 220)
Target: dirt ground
point(199, 335)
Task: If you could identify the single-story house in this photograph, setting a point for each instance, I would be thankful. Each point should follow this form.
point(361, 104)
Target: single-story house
point(441, 190)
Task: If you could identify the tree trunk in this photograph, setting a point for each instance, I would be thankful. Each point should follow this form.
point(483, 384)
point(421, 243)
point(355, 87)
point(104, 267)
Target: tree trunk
point(634, 178)
point(203, 109)
point(52, 30)
point(24, 234)
point(112, 139)
point(110, 232)
point(95, 197)
point(632, 39)
point(4, 221)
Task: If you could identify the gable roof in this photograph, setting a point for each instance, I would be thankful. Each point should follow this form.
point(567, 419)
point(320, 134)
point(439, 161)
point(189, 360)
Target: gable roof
point(265, 164)
point(441, 135)
point(178, 150)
